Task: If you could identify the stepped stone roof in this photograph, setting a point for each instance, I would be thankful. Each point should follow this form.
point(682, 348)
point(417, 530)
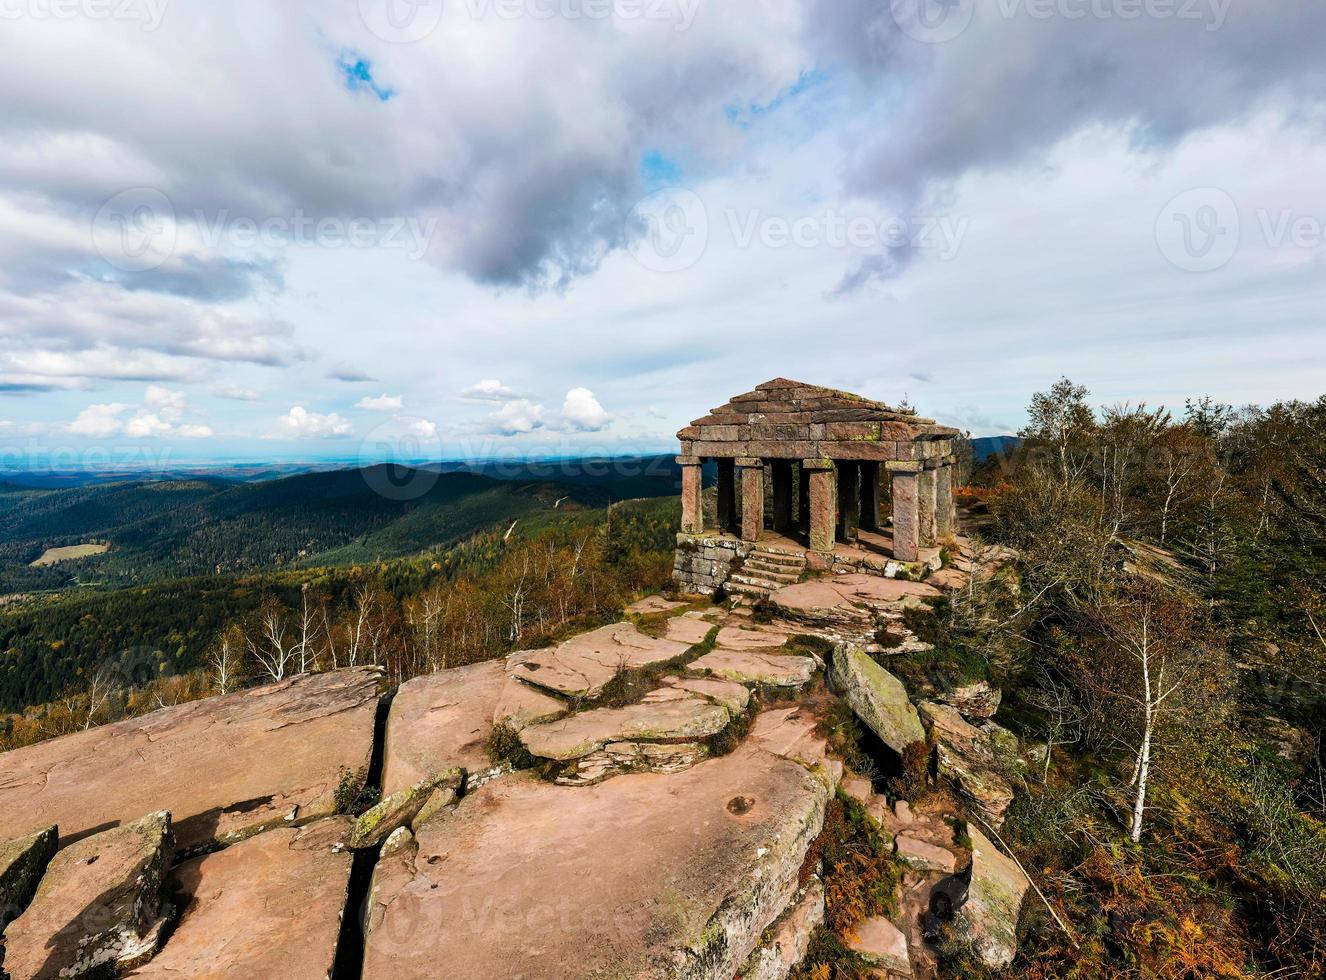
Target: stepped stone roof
point(783, 419)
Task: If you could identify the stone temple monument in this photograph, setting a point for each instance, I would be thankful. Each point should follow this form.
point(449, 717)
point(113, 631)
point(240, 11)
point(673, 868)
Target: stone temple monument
point(804, 474)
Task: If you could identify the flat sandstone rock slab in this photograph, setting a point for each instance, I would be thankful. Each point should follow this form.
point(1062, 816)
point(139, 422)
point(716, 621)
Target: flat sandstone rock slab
point(685, 718)
point(222, 766)
point(641, 876)
point(848, 597)
point(584, 664)
point(684, 629)
point(440, 721)
point(651, 605)
point(267, 907)
point(774, 670)
point(756, 638)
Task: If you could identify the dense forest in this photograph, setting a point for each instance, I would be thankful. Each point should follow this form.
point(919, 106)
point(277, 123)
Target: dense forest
point(1159, 637)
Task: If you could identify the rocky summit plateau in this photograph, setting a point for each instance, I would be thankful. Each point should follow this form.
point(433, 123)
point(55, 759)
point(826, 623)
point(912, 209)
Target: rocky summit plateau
point(648, 799)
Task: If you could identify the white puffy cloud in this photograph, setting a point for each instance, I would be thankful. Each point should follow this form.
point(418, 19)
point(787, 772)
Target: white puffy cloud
point(422, 429)
point(582, 412)
point(159, 416)
point(99, 421)
point(300, 423)
point(169, 404)
point(146, 424)
point(382, 403)
point(489, 390)
point(517, 418)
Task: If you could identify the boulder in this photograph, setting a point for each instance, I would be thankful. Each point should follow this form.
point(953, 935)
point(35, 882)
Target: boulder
point(442, 721)
point(270, 906)
point(22, 863)
point(789, 939)
point(920, 856)
point(878, 698)
point(520, 705)
point(965, 756)
point(988, 920)
point(584, 665)
point(400, 808)
point(978, 700)
point(99, 908)
point(224, 767)
point(757, 669)
point(643, 876)
point(858, 788)
point(879, 942)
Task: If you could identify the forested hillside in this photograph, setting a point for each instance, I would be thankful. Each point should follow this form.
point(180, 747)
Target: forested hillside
point(160, 530)
point(130, 637)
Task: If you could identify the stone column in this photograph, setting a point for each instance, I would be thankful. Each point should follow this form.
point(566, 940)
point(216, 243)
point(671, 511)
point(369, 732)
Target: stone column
point(781, 470)
point(692, 505)
point(944, 500)
point(849, 500)
point(727, 495)
point(752, 498)
point(925, 491)
point(870, 496)
point(821, 504)
point(803, 498)
point(906, 510)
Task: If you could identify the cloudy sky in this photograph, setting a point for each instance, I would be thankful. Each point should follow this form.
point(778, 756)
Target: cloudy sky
point(355, 228)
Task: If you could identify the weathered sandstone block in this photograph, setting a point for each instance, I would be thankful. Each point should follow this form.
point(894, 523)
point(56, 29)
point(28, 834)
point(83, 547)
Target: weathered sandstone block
point(99, 907)
point(269, 906)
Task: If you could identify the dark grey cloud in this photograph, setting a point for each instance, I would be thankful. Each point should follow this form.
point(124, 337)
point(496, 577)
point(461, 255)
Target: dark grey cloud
point(1012, 85)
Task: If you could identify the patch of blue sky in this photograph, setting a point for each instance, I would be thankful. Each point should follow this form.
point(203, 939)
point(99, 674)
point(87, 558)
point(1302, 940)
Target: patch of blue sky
point(357, 73)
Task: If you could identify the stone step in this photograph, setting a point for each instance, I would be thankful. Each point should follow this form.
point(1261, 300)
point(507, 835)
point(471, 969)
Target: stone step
point(778, 558)
point(753, 591)
point(772, 573)
point(768, 585)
